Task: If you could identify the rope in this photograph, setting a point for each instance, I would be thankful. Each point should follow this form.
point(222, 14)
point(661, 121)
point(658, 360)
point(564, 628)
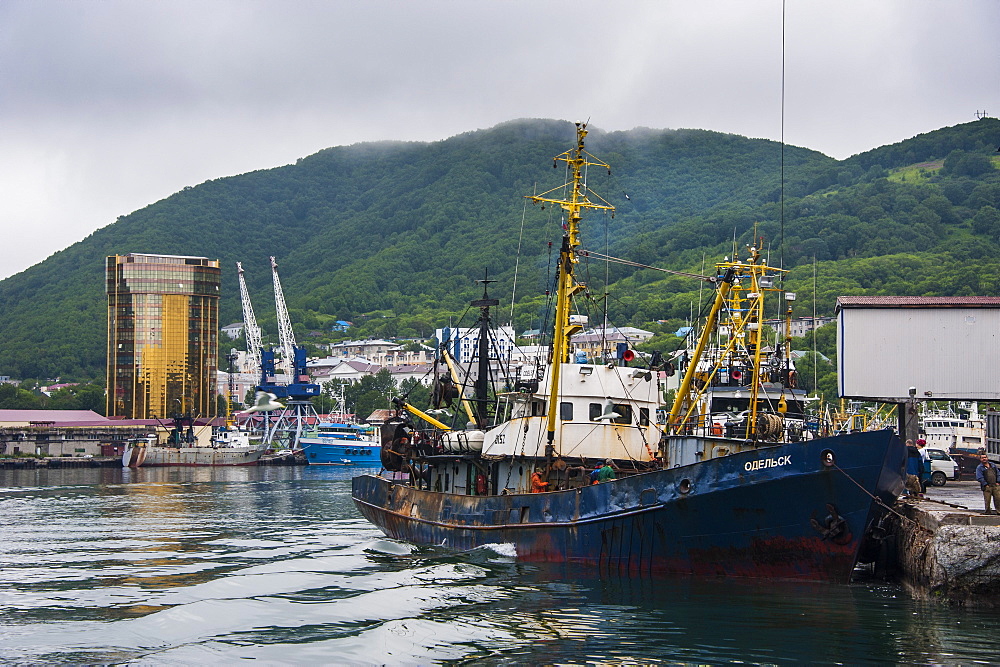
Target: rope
point(878, 501)
point(628, 262)
point(517, 261)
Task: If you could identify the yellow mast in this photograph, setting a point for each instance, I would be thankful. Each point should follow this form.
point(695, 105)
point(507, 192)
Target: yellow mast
point(573, 203)
point(684, 397)
point(741, 293)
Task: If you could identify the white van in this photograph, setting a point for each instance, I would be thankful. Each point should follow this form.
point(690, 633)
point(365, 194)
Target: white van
point(943, 467)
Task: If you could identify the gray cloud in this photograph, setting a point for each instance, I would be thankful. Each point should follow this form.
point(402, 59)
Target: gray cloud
point(106, 107)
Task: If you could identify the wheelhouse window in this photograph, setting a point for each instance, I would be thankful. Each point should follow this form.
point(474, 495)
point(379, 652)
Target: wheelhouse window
point(624, 411)
point(566, 411)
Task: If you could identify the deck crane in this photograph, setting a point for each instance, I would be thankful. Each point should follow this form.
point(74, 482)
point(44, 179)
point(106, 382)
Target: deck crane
point(251, 330)
point(286, 337)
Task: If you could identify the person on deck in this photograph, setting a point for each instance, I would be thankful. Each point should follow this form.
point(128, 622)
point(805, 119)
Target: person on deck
point(594, 473)
point(989, 482)
point(606, 472)
point(537, 484)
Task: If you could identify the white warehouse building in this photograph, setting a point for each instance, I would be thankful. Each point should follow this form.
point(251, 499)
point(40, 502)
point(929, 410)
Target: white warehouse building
point(463, 344)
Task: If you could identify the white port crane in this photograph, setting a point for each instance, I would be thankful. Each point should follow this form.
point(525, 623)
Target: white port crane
point(286, 337)
point(251, 331)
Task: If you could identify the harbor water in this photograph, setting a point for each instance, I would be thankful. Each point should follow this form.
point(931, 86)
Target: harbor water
point(200, 566)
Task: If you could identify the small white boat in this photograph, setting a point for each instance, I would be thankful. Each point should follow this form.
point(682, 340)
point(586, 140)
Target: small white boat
point(135, 451)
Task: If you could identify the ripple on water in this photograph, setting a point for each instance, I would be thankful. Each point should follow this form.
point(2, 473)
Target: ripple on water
point(174, 566)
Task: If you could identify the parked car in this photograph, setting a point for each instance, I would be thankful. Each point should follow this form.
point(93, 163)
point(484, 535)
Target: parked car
point(943, 467)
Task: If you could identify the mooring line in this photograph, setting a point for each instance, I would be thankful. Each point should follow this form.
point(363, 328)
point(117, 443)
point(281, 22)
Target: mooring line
point(877, 500)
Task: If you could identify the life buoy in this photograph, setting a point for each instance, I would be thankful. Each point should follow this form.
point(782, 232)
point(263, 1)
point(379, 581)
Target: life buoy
point(793, 379)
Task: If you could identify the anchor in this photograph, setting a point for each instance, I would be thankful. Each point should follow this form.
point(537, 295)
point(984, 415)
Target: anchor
point(833, 528)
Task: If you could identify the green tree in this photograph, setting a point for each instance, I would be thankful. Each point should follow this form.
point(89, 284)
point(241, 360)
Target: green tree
point(86, 396)
point(15, 398)
point(816, 375)
point(416, 392)
point(324, 403)
point(825, 341)
point(370, 393)
point(987, 222)
point(971, 164)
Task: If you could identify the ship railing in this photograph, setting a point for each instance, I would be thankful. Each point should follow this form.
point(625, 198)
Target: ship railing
point(790, 427)
point(427, 442)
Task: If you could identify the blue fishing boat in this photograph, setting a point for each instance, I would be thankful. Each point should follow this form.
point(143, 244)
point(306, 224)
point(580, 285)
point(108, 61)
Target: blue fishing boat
point(336, 443)
point(735, 480)
point(341, 441)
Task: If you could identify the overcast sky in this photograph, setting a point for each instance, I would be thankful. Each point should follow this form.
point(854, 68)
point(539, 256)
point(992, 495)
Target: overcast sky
point(108, 106)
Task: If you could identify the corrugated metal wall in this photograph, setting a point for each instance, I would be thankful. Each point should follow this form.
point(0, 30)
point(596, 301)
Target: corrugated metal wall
point(952, 353)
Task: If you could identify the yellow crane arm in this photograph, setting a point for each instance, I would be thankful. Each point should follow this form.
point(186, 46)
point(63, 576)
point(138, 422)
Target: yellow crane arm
point(458, 383)
point(399, 402)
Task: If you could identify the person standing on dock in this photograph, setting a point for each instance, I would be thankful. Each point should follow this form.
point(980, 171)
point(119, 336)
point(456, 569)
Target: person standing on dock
point(986, 474)
point(925, 466)
point(914, 469)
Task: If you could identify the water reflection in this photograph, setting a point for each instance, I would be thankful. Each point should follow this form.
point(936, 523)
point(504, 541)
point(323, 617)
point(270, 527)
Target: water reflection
point(194, 565)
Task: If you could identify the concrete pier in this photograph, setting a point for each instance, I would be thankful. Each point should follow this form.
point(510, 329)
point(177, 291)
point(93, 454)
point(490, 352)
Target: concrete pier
point(946, 548)
point(31, 463)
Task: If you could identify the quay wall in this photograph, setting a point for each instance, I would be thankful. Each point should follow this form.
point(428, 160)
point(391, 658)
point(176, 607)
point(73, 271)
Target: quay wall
point(54, 462)
point(947, 552)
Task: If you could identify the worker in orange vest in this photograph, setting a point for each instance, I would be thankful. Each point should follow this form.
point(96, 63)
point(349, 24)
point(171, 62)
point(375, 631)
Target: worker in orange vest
point(537, 484)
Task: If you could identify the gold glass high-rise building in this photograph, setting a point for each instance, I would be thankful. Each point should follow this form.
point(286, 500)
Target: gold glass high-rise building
point(163, 327)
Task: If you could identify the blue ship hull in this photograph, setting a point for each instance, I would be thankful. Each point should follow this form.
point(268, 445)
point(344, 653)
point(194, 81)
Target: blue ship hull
point(342, 452)
point(778, 511)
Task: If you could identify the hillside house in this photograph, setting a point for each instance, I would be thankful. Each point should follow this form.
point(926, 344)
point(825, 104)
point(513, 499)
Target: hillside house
point(800, 325)
point(233, 330)
point(601, 344)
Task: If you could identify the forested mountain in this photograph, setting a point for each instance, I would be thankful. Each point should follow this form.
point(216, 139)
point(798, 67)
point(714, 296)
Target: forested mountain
point(392, 236)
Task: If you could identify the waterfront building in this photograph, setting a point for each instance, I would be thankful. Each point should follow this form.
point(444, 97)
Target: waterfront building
point(163, 325)
point(14, 417)
point(80, 433)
